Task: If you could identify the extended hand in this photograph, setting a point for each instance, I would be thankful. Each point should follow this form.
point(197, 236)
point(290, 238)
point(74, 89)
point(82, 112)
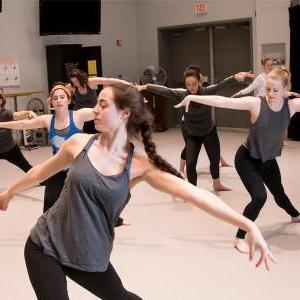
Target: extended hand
point(242, 75)
point(255, 240)
point(5, 198)
point(185, 102)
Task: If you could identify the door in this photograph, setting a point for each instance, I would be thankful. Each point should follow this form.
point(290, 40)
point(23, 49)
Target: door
point(232, 53)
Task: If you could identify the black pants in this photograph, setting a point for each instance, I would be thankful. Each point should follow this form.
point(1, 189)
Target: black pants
point(48, 278)
point(16, 157)
point(254, 174)
point(54, 186)
point(184, 135)
point(193, 146)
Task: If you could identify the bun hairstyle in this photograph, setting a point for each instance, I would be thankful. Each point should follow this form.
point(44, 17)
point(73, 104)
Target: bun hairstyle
point(193, 70)
point(3, 100)
point(140, 121)
point(282, 74)
point(265, 60)
point(60, 87)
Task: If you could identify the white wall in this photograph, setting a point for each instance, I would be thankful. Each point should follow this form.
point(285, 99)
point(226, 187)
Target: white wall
point(19, 36)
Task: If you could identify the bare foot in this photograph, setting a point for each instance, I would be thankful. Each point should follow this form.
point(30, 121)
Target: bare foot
point(224, 163)
point(182, 173)
point(296, 219)
point(218, 186)
point(285, 144)
point(241, 246)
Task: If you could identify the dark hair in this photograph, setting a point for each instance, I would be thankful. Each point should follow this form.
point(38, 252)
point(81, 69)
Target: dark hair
point(139, 121)
point(81, 76)
point(3, 100)
point(192, 70)
point(264, 61)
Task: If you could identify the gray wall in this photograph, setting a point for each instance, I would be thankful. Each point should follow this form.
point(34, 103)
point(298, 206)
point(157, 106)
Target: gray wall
point(19, 36)
point(136, 23)
point(269, 20)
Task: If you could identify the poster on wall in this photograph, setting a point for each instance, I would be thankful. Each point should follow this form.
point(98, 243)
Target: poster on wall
point(9, 72)
point(276, 52)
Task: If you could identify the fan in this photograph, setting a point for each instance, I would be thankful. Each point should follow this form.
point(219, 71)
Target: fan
point(154, 74)
point(37, 137)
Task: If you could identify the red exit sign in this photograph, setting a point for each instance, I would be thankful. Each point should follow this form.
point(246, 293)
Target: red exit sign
point(201, 8)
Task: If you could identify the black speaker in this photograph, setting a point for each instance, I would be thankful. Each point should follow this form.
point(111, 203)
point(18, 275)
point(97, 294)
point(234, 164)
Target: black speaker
point(60, 60)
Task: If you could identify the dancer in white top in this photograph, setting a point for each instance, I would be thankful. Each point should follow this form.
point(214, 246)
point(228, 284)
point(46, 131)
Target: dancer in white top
point(259, 83)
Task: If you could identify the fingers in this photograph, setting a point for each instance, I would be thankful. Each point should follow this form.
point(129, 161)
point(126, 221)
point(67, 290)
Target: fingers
point(261, 258)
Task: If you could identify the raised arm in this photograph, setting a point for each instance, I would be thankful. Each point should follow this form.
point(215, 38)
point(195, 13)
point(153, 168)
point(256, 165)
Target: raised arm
point(39, 173)
point(211, 204)
point(83, 115)
point(39, 122)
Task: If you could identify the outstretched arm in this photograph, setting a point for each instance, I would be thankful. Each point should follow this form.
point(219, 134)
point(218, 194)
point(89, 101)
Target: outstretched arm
point(238, 77)
point(211, 204)
point(25, 114)
point(95, 81)
point(250, 88)
point(38, 122)
point(294, 105)
point(245, 103)
point(175, 95)
point(41, 172)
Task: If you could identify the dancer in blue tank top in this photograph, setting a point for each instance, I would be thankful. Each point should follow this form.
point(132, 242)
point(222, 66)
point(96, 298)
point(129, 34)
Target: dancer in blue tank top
point(61, 125)
point(75, 237)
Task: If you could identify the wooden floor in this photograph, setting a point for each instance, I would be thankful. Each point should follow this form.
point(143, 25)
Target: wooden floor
point(172, 251)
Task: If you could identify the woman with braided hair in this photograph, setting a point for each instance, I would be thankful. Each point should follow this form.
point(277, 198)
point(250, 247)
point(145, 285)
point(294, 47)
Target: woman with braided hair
point(74, 237)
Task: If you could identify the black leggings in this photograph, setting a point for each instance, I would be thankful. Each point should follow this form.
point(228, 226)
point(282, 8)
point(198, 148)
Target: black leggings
point(254, 174)
point(193, 146)
point(16, 157)
point(48, 278)
point(54, 186)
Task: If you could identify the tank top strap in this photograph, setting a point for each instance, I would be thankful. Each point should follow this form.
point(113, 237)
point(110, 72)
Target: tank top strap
point(129, 158)
point(90, 142)
point(52, 128)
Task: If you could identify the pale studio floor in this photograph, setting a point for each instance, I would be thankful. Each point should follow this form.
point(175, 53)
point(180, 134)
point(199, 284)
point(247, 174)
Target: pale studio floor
point(172, 251)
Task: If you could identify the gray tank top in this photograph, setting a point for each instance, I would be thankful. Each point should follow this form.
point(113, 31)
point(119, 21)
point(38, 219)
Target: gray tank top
point(78, 230)
point(265, 138)
point(85, 100)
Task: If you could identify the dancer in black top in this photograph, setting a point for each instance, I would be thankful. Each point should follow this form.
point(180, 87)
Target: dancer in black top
point(197, 125)
point(255, 160)
point(75, 236)
point(9, 150)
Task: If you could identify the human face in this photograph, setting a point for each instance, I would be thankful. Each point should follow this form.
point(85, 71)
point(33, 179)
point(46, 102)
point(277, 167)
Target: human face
point(275, 90)
point(192, 84)
point(75, 82)
point(108, 118)
point(268, 66)
point(60, 100)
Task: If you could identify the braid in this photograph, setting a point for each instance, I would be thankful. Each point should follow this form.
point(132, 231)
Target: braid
point(150, 149)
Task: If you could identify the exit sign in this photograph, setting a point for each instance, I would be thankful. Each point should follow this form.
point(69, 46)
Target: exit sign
point(200, 8)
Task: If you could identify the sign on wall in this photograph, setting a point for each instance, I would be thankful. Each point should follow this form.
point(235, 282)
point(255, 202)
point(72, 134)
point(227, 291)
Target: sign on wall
point(9, 72)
